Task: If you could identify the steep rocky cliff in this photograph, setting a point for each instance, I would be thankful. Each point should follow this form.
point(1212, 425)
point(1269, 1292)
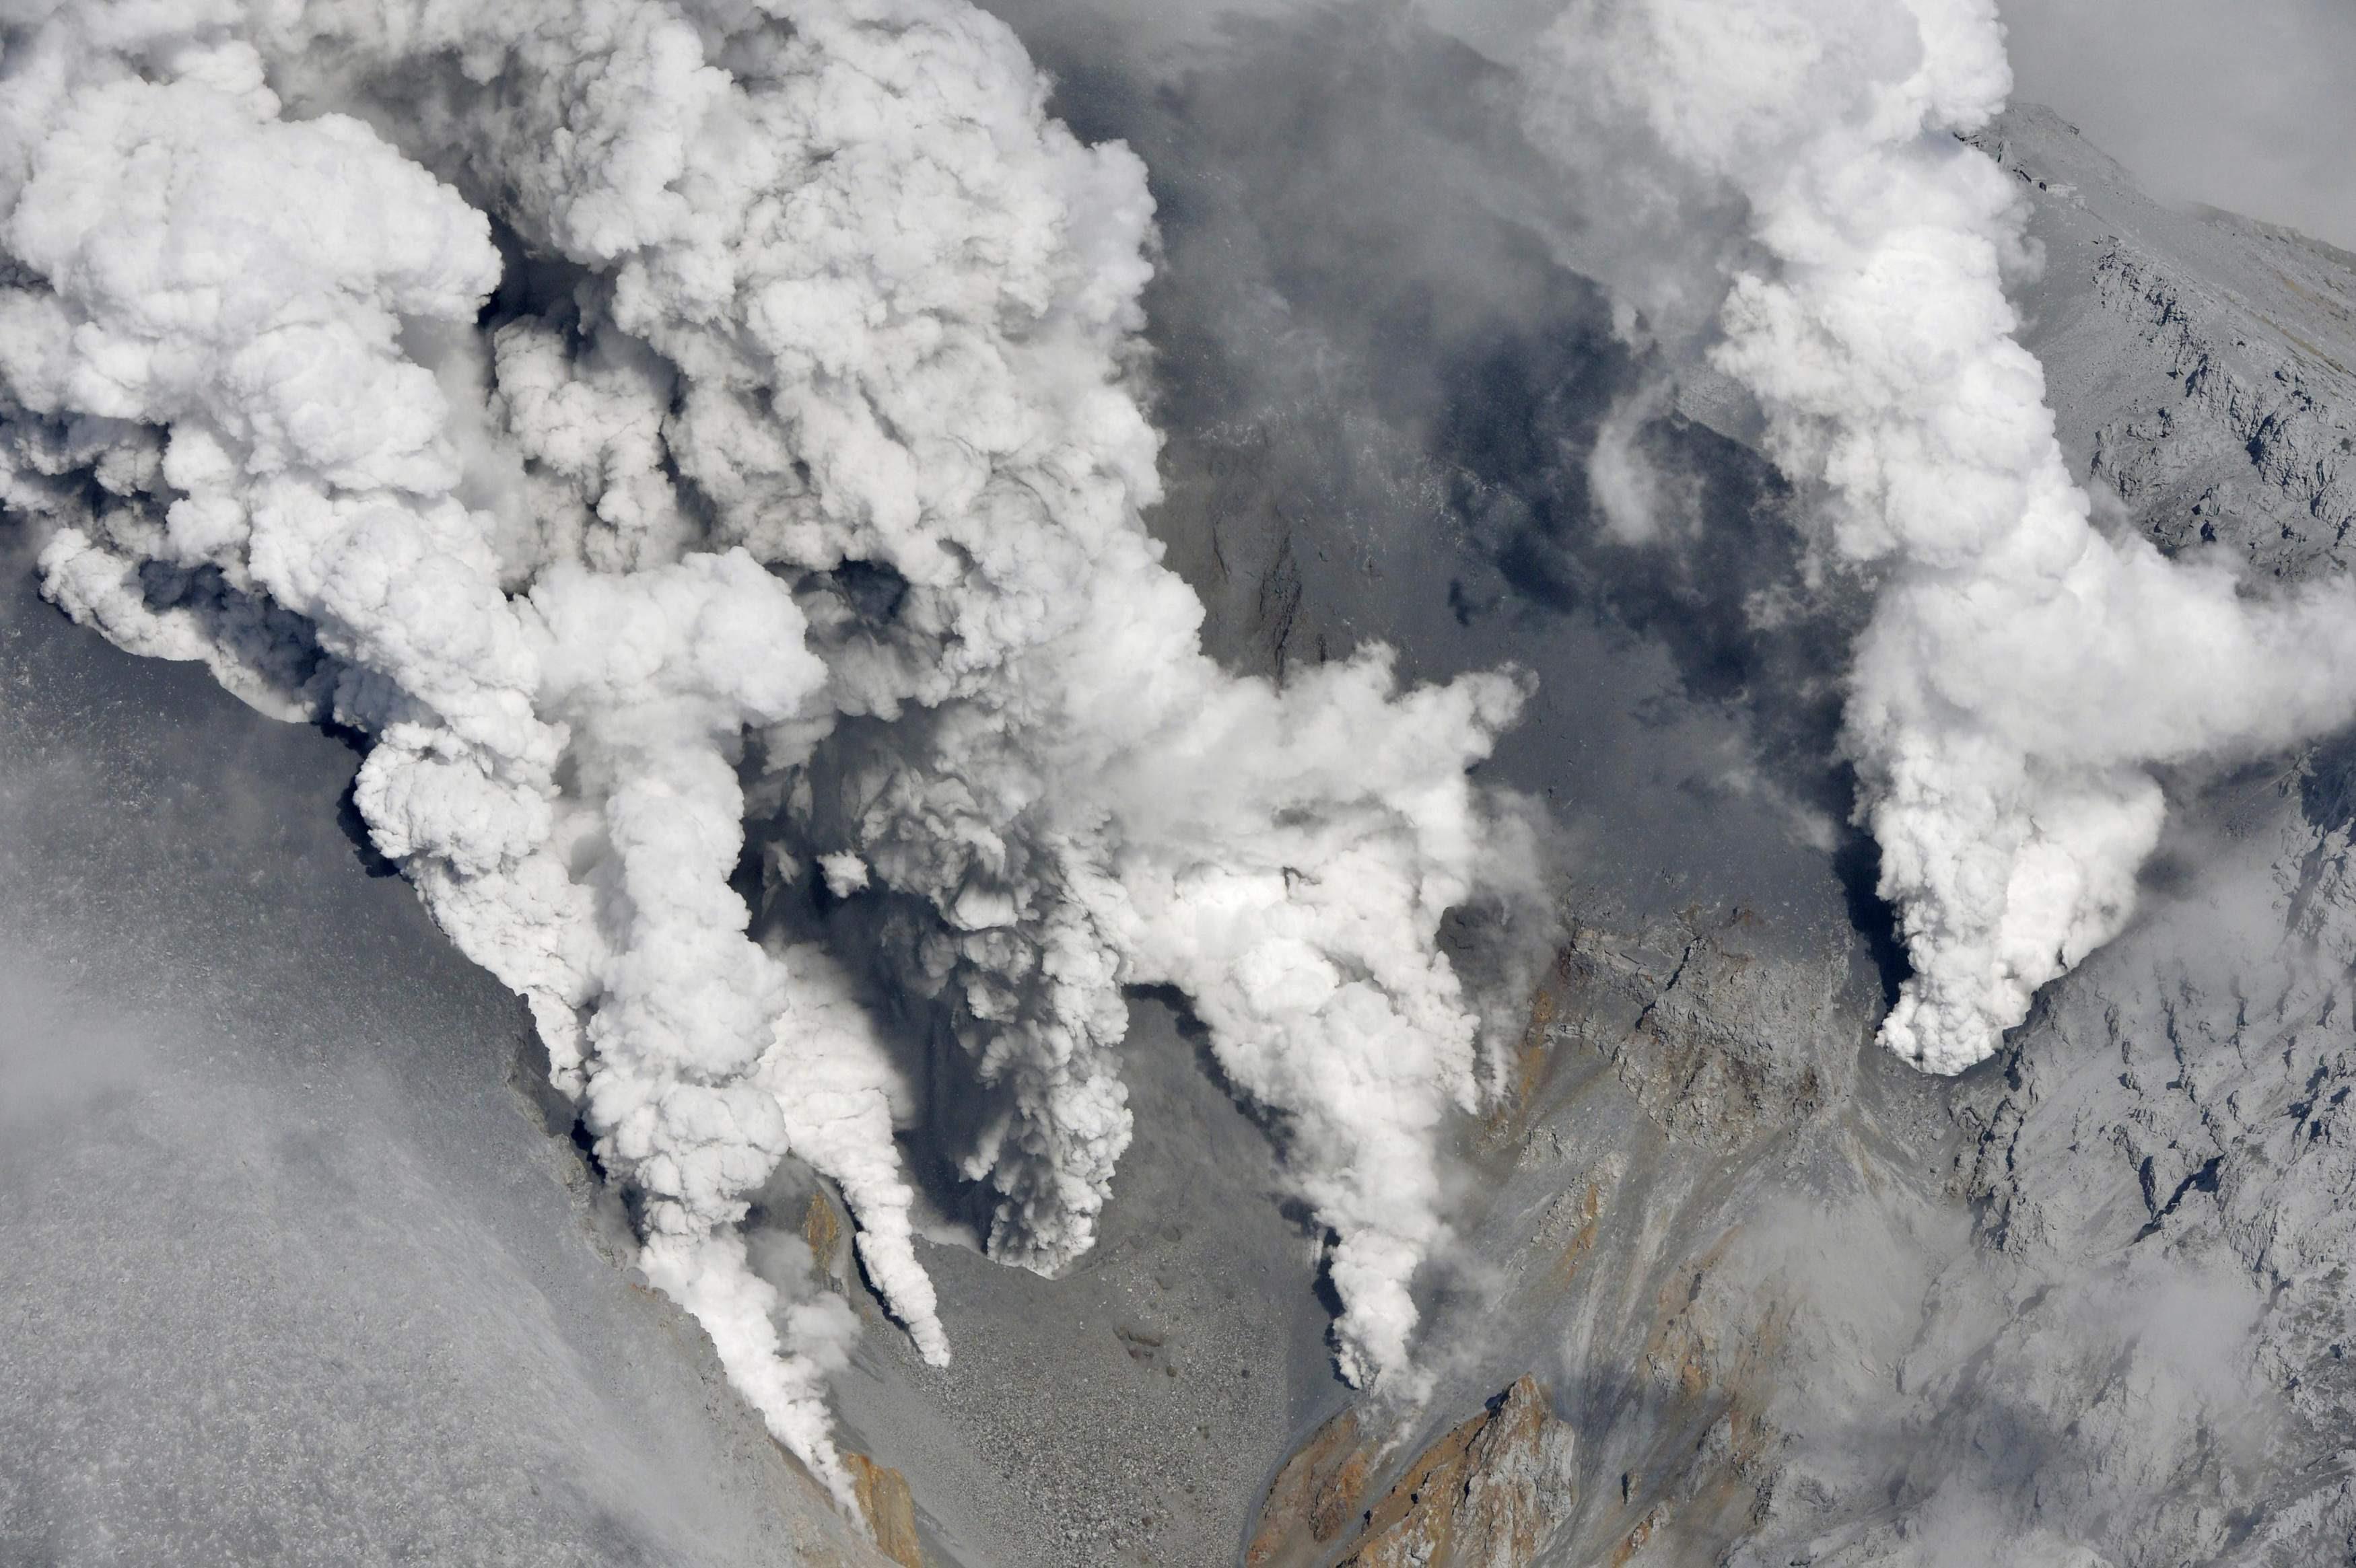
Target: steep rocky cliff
point(1488, 1493)
point(2200, 362)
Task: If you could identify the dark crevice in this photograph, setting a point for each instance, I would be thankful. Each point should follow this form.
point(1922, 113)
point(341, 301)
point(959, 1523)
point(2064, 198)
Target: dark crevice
point(2201, 1180)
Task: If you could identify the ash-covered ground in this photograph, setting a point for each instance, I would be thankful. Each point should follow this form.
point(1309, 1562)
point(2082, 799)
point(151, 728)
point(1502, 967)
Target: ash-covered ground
point(1133, 1409)
point(297, 1273)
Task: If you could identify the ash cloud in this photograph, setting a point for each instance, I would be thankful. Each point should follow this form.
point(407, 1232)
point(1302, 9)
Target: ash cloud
point(704, 446)
point(1932, 624)
point(2024, 670)
point(1384, 362)
point(642, 420)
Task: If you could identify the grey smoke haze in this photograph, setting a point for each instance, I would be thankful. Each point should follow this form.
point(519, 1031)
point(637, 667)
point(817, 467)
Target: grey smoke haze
point(675, 542)
point(2008, 701)
point(989, 776)
point(1967, 1399)
point(2242, 104)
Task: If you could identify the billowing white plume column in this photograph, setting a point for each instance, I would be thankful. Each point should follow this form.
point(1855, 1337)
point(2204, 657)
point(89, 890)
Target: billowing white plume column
point(2023, 671)
point(609, 405)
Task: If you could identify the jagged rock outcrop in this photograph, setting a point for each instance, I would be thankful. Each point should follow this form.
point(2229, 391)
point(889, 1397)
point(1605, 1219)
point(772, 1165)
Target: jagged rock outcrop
point(2203, 365)
point(890, 1511)
point(1489, 1493)
point(1714, 1038)
point(1314, 1500)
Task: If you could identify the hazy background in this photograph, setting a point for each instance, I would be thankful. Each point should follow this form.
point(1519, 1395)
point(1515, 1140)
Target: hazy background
point(2247, 104)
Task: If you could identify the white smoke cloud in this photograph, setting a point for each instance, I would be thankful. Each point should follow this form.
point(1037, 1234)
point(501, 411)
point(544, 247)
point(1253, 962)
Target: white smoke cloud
point(643, 417)
point(1640, 502)
point(2024, 671)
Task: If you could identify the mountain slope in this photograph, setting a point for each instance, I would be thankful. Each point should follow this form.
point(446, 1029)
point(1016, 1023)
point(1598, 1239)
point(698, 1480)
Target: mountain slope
point(297, 1272)
point(2086, 1305)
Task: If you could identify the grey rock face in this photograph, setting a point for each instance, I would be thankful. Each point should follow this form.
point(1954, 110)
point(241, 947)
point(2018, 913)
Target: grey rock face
point(2200, 362)
point(2115, 1331)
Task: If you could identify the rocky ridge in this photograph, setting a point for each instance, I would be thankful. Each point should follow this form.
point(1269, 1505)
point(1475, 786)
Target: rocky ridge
point(1486, 1495)
point(2200, 362)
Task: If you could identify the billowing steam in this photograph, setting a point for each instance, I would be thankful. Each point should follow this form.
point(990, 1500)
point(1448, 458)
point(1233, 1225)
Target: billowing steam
point(698, 443)
point(2024, 671)
point(643, 417)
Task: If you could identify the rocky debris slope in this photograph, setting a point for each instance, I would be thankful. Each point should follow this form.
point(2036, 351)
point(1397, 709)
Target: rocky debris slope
point(2086, 1306)
point(1129, 1412)
point(1486, 1495)
point(1684, 1090)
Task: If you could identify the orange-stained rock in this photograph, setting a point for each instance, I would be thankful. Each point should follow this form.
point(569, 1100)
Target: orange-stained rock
point(1314, 1499)
point(823, 1228)
point(890, 1511)
point(1509, 1119)
point(1486, 1495)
